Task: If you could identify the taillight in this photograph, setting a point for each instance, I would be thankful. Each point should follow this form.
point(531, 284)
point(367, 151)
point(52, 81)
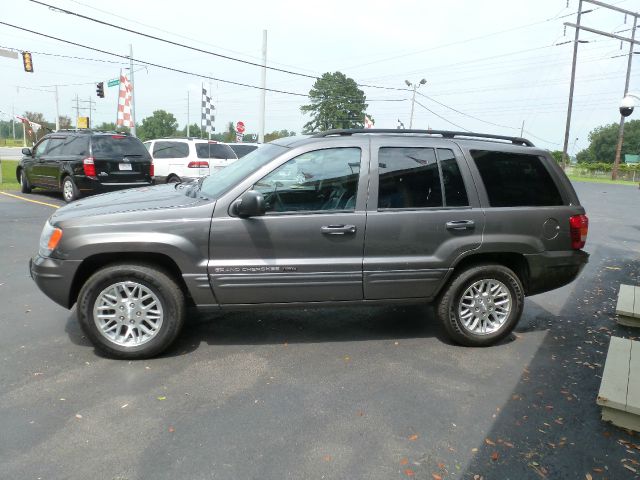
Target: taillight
point(579, 227)
point(152, 170)
point(89, 167)
point(198, 165)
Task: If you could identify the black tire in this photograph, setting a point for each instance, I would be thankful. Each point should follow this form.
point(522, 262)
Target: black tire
point(161, 284)
point(69, 190)
point(25, 186)
point(173, 179)
point(449, 301)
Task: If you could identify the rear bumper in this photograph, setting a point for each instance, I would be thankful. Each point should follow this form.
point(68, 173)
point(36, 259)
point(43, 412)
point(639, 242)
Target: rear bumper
point(54, 277)
point(94, 185)
point(551, 270)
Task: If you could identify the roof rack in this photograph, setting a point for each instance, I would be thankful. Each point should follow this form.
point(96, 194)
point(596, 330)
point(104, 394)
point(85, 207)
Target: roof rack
point(442, 133)
point(89, 130)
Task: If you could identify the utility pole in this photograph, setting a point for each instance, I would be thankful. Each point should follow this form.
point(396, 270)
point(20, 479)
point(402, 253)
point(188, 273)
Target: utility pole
point(77, 111)
point(616, 162)
point(567, 127)
point(522, 129)
point(13, 121)
point(133, 93)
point(57, 111)
point(187, 113)
point(632, 42)
point(263, 85)
point(413, 100)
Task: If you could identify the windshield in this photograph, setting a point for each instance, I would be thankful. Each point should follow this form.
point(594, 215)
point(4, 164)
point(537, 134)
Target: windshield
point(215, 185)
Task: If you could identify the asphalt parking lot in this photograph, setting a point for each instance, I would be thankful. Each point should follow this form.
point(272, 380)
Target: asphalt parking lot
point(359, 393)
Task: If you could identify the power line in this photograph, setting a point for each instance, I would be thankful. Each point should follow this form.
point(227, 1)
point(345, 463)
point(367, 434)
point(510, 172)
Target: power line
point(442, 118)
point(462, 113)
point(171, 42)
point(150, 63)
point(196, 49)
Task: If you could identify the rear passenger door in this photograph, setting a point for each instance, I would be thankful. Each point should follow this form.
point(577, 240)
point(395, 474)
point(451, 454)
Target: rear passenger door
point(50, 164)
point(423, 212)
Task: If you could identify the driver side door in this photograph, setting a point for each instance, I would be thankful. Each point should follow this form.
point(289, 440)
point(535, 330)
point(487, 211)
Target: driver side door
point(308, 247)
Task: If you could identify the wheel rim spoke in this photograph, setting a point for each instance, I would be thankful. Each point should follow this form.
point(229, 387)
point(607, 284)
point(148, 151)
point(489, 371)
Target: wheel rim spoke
point(485, 306)
point(128, 314)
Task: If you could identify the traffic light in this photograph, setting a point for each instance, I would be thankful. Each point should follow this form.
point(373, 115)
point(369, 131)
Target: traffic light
point(100, 89)
point(27, 62)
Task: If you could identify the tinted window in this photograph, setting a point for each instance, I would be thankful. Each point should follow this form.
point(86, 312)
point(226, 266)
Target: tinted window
point(214, 150)
point(455, 193)
point(242, 150)
point(55, 145)
point(76, 145)
point(515, 180)
point(39, 149)
point(409, 178)
point(117, 146)
point(170, 150)
point(322, 180)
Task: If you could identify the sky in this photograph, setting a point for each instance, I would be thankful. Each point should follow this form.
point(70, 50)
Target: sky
point(489, 66)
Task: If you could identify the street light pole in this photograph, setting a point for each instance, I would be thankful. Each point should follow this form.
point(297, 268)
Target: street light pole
point(413, 99)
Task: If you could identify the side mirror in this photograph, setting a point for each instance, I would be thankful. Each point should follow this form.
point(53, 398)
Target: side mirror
point(26, 152)
point(250, 204)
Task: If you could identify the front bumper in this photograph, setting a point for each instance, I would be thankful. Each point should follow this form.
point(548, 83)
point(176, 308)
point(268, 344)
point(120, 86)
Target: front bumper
point(551, 270)
point(54, 277)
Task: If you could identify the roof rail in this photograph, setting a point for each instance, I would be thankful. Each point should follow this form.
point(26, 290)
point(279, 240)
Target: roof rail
point(442, 133)
point(89, 130)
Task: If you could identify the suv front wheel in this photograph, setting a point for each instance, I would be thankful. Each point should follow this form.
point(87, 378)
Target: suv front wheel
point(131, 311)
point(481, 305)
point(25, 186)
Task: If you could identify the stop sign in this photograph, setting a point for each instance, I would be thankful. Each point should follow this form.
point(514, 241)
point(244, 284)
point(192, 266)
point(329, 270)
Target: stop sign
point(240, 127)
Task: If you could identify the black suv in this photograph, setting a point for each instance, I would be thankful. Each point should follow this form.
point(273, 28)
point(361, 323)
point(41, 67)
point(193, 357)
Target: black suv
point(471, 223)
point(85, 161)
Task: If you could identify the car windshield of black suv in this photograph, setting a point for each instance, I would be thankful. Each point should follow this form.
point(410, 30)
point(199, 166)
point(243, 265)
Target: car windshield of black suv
point(218, 183)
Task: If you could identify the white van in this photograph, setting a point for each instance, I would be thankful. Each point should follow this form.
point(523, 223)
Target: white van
point(185, 159)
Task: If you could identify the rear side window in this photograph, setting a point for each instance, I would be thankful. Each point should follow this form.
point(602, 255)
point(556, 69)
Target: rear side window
point(409, 178)
point(55, 145)
point(516, 180)
point(117, 146)
point(170, 150)
point(214, 150)
point(455, 193)
point(77, 145)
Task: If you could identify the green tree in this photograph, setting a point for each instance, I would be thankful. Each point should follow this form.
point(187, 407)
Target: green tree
point(230, 134)
point(336, 102)
point(194, 131)
point(603, 141)
point(557, 156)
point(268, 137)
point(65, 122)
point(160, 124)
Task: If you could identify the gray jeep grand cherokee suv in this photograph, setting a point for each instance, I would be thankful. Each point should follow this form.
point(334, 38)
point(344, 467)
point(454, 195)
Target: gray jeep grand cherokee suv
point(469, 222)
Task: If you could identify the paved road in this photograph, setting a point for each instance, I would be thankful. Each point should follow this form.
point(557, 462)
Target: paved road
point(368, 393)
point(10, 153)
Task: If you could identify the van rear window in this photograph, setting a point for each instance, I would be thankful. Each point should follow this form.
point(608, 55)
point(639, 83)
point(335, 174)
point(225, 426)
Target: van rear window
point(516, 180)
point(117, 146)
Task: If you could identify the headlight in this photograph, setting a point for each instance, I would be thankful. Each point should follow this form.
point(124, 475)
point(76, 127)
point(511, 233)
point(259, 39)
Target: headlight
point(49, 239)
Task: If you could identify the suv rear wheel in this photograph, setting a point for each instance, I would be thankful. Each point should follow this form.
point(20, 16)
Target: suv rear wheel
point(481, 305)
point(131, 311)
point(25, 186)
point(69, 190)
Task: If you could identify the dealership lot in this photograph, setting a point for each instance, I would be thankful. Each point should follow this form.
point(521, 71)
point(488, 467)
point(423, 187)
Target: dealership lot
point(334, 393)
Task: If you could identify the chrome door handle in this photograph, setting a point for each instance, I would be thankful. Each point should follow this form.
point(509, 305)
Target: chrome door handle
point(460, 225)
point(338, 229)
